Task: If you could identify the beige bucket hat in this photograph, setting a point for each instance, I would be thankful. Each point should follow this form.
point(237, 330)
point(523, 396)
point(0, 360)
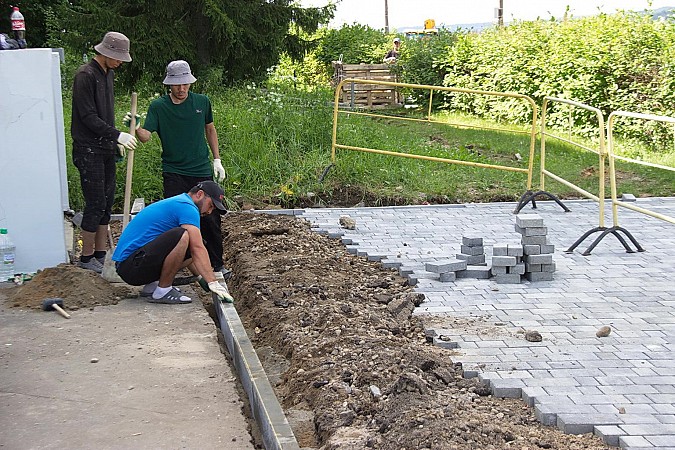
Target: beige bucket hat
point(178, 72)
point(114, 45)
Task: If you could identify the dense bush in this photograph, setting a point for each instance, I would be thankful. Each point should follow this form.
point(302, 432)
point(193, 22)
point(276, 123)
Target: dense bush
point(612, 62)
point(355, 43)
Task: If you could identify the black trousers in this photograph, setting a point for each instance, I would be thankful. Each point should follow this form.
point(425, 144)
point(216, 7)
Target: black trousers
point(209, 226)
point(97, 178)
point(145, 264)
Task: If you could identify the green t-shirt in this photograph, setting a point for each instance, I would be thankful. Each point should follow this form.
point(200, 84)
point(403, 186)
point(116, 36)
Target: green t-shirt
point(181, 130)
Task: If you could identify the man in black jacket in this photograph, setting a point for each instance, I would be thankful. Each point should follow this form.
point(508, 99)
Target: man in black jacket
point(96, 142)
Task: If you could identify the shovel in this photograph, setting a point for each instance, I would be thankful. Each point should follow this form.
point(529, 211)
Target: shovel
point(109, 272)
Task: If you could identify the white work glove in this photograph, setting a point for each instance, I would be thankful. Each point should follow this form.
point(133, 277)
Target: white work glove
point(221, 292)
point(121, 152)
point(218, 170)
point(127, 140)
point(127, 120)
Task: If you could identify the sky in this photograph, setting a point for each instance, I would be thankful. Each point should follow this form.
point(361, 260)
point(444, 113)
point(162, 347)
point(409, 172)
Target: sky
point(413, 13)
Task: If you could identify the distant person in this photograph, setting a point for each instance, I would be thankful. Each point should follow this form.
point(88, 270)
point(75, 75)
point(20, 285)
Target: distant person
point(164, 238)
point(184, 123)
point(392, 55)
point(95, 143)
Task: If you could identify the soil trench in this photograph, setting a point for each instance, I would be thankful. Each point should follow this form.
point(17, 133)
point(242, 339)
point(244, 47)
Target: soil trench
point(349, 363)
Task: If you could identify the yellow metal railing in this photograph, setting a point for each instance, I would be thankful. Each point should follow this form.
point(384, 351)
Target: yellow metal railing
point(613, 156)
point(337, 111)
point(601, 152)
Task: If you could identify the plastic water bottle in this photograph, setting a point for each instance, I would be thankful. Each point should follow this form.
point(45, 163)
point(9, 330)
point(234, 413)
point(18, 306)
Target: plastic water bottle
point(7, 249)
point(18, 27)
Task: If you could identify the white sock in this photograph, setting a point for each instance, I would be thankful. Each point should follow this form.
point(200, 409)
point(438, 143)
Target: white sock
point(160, 292)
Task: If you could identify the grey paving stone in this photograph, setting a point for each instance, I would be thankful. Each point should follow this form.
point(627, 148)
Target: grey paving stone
point(448, 265)
point(447, 276)
point(529, 220)
point(634, 441)
point(505, 261)
point(539, 276)
point(584, 423)
point(471, 259)
point(497, 270)
point(518, 268)
point(473, 251)
point(534, 240)
point(547, 248)
point(532, 249)
point(500, 250)
point(538, 259)
point(514, 250)
point(531, 231)
point(481, 273)
point(609, 434)
point(472, 241)
point(508, 278)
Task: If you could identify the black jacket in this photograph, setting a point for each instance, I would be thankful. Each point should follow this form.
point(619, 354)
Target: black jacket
point(93, 121)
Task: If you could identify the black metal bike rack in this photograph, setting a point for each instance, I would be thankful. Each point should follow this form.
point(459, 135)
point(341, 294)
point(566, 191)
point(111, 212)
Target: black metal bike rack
point(530, 196)
point(606, 231)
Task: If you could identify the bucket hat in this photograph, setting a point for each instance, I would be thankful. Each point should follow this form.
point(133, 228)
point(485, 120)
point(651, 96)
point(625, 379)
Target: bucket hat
point(178, 72)
point(114, 45)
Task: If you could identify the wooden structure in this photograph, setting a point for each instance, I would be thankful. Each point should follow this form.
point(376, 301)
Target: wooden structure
point(366, 95)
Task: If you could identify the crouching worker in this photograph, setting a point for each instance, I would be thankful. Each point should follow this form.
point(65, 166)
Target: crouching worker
point(164, 238)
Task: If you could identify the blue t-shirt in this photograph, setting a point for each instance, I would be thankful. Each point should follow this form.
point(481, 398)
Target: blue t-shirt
point(154, 220)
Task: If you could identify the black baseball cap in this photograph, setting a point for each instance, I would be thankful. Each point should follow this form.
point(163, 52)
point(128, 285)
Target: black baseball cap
point(213, 190)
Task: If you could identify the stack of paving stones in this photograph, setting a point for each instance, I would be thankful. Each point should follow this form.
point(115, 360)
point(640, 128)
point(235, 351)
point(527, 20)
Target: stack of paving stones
point(473, 253)
point(507, 264)
point(538, 252)
point(470, 263)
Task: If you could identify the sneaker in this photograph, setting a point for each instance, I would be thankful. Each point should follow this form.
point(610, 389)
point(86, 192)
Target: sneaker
point(101, 260)
point(171, 298)
point(92, 264)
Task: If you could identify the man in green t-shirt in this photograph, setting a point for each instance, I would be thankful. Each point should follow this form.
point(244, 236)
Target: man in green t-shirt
point(183, 121)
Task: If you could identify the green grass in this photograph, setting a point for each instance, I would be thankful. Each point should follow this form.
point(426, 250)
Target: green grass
point(276, 143)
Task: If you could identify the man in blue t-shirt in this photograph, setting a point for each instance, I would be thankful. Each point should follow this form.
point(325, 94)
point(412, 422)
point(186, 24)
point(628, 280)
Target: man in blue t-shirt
point(164, 238)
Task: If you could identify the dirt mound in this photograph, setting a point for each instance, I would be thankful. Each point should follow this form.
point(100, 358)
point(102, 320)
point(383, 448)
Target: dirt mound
point(351, 365)
point(77, 287)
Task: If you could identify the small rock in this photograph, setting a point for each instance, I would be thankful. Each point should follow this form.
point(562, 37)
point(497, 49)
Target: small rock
point(375, 391)
point(533, 336)
point(93, 360)
point(622, 410)
point(483, 390)
point(603, 331)
point(347, 223)
point(319, 383)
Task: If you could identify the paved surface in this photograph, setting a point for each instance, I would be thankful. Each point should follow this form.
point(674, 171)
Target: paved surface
point(160, 380)
point(621, 387)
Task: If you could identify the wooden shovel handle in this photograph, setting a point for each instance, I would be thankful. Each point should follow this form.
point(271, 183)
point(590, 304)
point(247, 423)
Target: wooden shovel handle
point(61, 311)
point(130, 163)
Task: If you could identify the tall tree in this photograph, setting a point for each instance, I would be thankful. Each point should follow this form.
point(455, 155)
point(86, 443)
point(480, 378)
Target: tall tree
point(243, 37)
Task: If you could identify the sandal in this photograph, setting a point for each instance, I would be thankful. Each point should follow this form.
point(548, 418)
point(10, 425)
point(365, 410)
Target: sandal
point(172, 297)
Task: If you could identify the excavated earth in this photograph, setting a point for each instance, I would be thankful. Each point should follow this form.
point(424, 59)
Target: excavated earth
point(349, 363)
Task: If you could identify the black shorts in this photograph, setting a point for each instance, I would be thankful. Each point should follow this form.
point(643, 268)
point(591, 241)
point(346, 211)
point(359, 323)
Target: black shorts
point(145, 264)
